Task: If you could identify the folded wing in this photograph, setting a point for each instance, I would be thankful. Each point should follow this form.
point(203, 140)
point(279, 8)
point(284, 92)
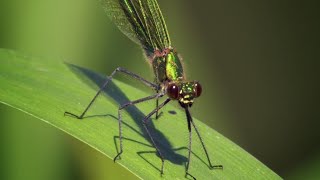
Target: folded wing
point(141, 21)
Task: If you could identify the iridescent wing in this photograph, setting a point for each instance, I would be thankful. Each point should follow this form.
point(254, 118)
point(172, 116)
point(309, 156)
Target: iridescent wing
point(141, 21)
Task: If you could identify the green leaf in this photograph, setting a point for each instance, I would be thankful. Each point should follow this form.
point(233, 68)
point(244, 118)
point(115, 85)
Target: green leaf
point(46, 89)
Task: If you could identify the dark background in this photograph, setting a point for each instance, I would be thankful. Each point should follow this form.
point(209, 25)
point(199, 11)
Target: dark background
point(258, 63)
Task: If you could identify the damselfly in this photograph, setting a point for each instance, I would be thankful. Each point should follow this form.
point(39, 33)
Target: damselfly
point(142, 21)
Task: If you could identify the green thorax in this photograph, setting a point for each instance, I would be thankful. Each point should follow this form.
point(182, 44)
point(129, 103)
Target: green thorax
point(167, 66)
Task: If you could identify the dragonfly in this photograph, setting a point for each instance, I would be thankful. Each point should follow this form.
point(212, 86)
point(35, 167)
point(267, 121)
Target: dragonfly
point(143, 22)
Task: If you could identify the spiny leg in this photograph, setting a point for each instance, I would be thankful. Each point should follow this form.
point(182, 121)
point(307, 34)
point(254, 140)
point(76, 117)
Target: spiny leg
point(157, 104)
point(189, 118)
point(119, 69)
point(120, 117)
point(205, 150)
point(189, 147)
point(145, 120)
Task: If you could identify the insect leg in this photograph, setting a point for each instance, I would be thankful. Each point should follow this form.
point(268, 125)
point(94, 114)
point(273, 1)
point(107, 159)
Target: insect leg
point(157, 104)
point(202, 143)
point(119, 69)
point(145, 120)
point(120, 117)
point(189, 119)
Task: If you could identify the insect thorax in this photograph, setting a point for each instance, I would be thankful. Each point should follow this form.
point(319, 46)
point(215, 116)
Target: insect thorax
point(167, 65)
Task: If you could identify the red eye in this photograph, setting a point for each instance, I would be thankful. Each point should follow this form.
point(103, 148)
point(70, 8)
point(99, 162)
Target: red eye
point(173, 91)
point(198, 89)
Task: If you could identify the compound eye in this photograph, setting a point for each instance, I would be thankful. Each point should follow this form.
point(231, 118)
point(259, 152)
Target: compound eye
point(197, 89)
point(173, 91)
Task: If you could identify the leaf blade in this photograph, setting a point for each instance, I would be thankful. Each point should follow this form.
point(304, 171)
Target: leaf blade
point(47, 88)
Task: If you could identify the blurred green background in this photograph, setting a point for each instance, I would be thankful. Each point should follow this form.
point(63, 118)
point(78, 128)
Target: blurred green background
point(258, 62)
